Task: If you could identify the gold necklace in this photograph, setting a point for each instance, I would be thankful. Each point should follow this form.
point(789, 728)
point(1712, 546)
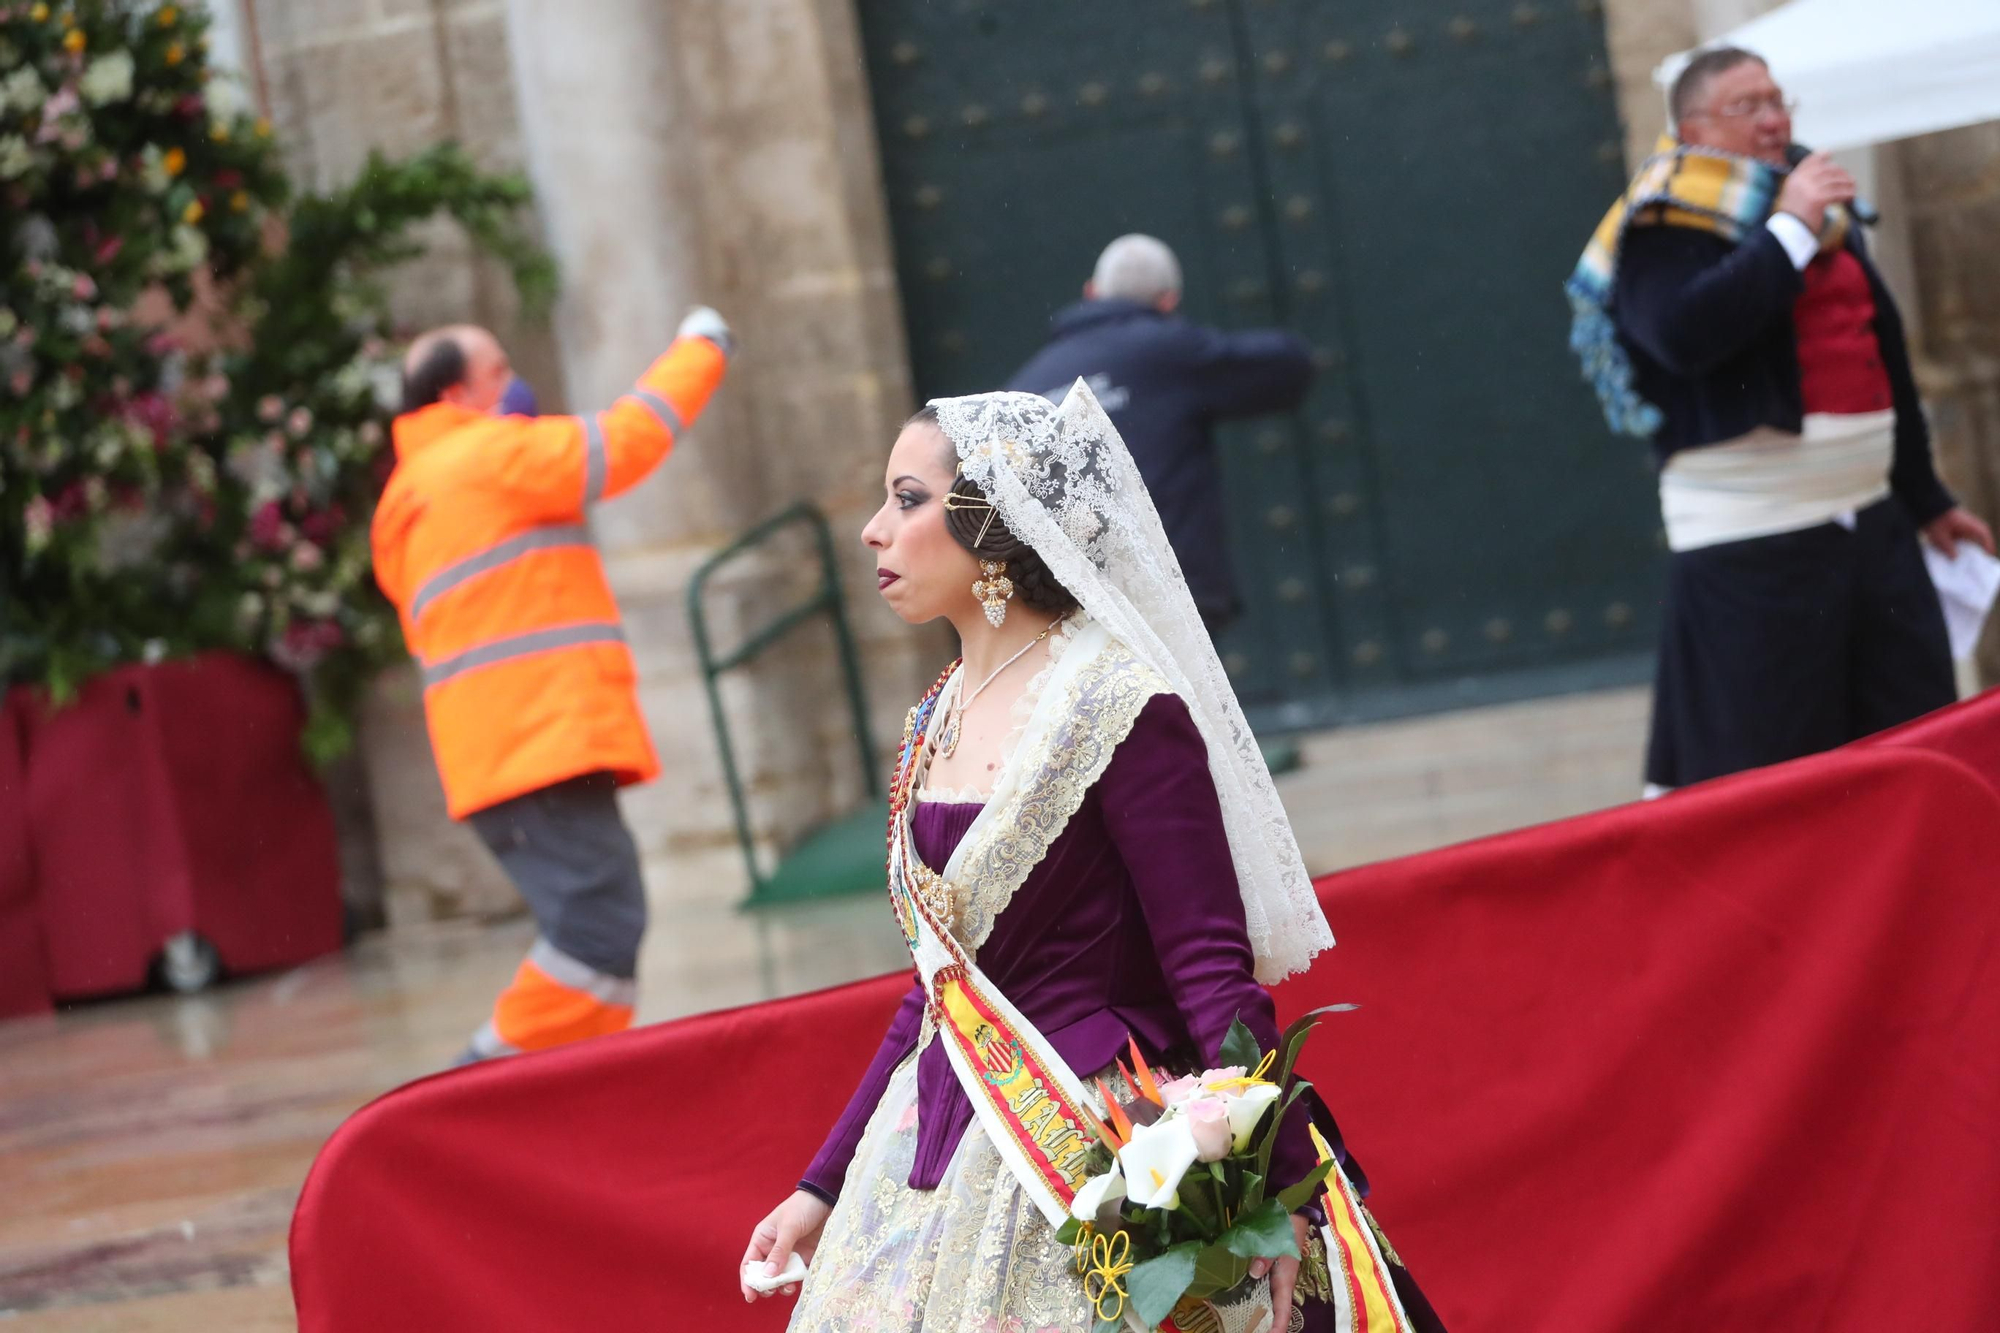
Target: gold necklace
point(948, 742)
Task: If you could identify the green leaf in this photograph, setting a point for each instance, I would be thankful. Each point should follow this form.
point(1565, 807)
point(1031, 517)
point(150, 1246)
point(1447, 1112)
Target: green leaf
point(1108, 1325)
point(1239, 1047)
point(1299, 1195)
point(1217, 1270)
point(1067, 1233)
point(1253, 1191)
point(1294, 1038)
point(1157, 1285)
point(1264, 1233)
point(1273, 1119)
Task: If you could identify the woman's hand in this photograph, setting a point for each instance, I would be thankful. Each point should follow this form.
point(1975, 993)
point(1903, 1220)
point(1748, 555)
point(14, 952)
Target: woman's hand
point(792, 1225)
point(1284, 1274)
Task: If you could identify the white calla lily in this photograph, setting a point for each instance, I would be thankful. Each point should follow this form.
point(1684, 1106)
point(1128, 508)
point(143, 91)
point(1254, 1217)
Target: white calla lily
point(1096, 1193)
point(1246, 1111)
point(1156, 1159)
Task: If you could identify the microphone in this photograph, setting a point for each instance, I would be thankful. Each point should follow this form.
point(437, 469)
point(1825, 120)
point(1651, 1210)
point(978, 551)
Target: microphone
point(1863, 211)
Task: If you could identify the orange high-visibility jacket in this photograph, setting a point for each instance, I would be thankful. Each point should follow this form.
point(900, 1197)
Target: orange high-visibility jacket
point(482, 543)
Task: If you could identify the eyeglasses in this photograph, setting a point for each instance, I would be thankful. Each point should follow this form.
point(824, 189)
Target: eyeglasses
point(1747, 107)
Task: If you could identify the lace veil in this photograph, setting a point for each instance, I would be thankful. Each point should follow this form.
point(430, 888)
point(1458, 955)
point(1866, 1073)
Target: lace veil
point(1062, 481)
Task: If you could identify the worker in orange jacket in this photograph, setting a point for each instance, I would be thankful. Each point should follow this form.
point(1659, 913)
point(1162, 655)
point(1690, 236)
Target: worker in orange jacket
point(482, 541)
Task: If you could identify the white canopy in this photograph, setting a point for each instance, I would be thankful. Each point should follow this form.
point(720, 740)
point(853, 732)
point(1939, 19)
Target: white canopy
point(1867, 71)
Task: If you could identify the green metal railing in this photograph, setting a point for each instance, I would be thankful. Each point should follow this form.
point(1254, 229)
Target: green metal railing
point(844, 856)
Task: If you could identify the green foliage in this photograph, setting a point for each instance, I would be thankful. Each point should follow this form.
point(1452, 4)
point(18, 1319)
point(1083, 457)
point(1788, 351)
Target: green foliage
point(1157, 1285)
point(161, 497)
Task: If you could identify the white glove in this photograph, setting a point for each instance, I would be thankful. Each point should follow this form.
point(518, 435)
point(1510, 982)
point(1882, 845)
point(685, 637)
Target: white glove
point(703, 322)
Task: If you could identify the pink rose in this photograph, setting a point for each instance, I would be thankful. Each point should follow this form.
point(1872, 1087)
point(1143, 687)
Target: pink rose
point(267, 525)
point(1208, 1117)
point(299, 422)
point(1179, 1090)
point(270, 407)
point(109, 250)
point(84, 287)
point(306, 557)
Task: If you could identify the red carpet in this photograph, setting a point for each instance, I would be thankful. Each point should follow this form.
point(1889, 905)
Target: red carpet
point(1721, 1062)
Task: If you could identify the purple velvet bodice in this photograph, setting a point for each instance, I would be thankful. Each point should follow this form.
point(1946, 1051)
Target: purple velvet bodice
point(1131, 924)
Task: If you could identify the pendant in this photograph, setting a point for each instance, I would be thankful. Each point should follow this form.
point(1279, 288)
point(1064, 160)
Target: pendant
point(948, 742)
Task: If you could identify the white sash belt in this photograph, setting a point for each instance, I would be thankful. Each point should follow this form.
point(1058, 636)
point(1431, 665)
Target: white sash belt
point(1772, 481)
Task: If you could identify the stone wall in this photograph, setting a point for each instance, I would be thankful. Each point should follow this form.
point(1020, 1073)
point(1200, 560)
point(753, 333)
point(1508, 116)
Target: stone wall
point(717, 154)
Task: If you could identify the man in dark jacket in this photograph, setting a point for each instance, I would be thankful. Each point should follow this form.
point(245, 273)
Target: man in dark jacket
point(1165, 383)
point(1795, 460)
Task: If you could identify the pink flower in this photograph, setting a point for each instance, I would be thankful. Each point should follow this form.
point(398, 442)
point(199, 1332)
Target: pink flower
point(323, 526)
point(85, 287)
point(22, 381)
point(306, 557)
point(39, 518)
point(299, 422)
point(270, 407)
point(112, 245)
point(109, 171)
point(306, 643)
point(1178, 1090)
point(267, 526)
point(1209, 1118)
point(370, 433)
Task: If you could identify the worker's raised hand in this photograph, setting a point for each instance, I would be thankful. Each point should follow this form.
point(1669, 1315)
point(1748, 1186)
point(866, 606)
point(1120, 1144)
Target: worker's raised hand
point(1814, 185)
point(703, 322)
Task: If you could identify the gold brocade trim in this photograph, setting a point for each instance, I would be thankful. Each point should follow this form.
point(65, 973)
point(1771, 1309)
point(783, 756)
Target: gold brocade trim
point(1097, 711)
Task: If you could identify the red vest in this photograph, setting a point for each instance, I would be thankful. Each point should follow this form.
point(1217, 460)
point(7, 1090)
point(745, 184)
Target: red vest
point(1840, 359)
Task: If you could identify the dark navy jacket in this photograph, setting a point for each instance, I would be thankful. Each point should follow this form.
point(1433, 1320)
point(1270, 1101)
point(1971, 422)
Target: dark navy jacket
point(1165, 383)
point(1708, 328)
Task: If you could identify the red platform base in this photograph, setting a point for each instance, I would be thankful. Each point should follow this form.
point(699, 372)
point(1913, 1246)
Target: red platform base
point(175, 798)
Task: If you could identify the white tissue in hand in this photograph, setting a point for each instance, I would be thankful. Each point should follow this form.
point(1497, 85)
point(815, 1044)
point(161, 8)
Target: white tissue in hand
point(757, 1279)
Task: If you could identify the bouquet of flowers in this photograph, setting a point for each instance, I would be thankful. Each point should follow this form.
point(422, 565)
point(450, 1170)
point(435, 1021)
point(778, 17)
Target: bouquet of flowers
point(1183, 1201)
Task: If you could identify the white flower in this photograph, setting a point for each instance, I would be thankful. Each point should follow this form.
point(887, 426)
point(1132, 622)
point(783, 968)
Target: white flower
point(23, 90)
point(1156, 1159)
point(1098, 1191)
point(1247, 1109)
point(15, 157)
point(108, 79)
point(153, 169)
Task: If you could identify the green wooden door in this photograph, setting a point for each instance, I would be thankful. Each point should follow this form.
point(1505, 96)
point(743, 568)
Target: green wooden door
point(1405, 185)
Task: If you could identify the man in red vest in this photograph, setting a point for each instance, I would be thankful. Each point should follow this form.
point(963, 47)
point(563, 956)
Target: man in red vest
point(482, 541)
point(1795, 460)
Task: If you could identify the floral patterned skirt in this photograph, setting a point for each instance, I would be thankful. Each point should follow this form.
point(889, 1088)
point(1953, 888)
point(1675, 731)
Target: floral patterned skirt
point(973, 1255)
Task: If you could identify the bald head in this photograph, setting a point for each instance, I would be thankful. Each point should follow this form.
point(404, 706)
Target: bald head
point(460, 363)
point(1137, 268)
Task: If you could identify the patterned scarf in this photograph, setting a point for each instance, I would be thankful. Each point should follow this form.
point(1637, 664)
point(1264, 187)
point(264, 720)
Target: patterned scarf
point(1678, 186)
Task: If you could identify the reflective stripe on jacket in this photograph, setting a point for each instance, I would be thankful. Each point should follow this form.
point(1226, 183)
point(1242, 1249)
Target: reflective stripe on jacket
point(482, 543)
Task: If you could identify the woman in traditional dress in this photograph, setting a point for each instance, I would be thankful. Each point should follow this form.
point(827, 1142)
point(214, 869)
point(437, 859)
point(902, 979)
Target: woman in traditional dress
point(1085, 842)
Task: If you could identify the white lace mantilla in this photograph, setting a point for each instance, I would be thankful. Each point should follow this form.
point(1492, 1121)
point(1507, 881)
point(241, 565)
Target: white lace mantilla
point(1062, 481)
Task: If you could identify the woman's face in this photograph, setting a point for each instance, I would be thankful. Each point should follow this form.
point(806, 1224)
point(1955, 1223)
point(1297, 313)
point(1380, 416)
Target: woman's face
point(920, 569)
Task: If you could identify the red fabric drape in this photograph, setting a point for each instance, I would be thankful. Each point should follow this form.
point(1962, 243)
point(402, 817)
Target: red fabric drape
point(24, 973)
point(1968, 731)
point(1719, 1062)
point(171, 798)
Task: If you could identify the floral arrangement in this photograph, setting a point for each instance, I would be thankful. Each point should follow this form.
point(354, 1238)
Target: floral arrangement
point(1182, 1200)
point(195, 372)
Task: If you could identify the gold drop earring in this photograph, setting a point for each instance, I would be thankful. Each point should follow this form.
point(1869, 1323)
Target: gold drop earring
point(993, 589)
